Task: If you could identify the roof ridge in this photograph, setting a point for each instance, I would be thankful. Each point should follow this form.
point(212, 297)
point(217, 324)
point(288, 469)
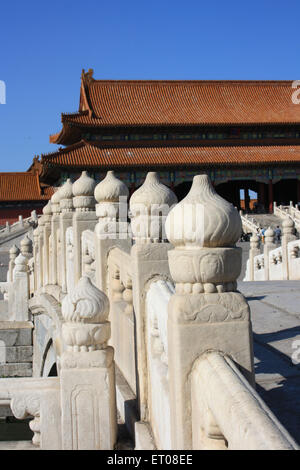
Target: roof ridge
point(184, 82)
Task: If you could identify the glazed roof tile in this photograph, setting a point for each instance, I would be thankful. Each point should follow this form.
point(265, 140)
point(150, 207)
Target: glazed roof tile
point(22, 186)
point(155, 103)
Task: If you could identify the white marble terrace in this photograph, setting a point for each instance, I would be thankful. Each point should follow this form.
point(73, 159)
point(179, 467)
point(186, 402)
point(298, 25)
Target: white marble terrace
point(143, 295)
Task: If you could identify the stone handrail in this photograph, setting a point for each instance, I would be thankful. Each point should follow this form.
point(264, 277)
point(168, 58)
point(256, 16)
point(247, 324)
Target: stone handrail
point(158, 296)
point(20, 225)
point(39, 398)
point(282, 211)
point(236, 412)
point(249, 224)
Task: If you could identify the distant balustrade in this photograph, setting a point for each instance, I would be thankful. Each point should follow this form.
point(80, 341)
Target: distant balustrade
point(276, 262)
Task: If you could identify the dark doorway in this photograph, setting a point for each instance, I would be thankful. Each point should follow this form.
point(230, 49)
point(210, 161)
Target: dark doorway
point(53, 371)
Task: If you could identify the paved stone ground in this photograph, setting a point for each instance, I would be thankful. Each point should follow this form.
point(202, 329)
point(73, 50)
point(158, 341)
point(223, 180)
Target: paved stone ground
point(275, 313)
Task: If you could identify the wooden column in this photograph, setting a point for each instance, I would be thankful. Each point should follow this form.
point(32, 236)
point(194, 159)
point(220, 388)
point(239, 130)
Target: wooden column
point(261, 194)
point(271, 196)
point(298, 191)
point(247, 200)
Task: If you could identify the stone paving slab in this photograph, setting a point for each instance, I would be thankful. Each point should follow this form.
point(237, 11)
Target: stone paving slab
point(275, 314)
point(19, 354)
point(16, 337)
point(12, 369)
point(17, 445)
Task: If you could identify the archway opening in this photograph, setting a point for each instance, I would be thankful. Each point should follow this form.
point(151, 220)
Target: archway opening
point(286, 190)
point(246, 195)
point(53, 371)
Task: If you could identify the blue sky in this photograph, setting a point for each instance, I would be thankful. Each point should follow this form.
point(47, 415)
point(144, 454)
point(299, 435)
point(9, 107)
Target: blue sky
point(44, 46)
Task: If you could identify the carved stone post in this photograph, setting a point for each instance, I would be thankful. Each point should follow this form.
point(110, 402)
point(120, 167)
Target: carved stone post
point(288, 228)
point(84, 217)
point(117, 286)
point(47, 213)
point(26, 247)
point(55, 206)
point(40, 279)
point(149, 207)
point(206, 312)
point(18, 294)
point(111, 230)
point(13, 253)
point(36, 258)
point(66, 220)
point(268, 246)
point(254, 251)
point(87, 378)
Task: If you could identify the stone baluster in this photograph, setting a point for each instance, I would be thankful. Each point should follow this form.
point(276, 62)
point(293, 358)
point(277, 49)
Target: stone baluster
point(46, 224)
point(149, 207)
point(117, 286)
point(66, 220)
point(268, 246)
point(206, 312)
point(127, 296)
point(18, 291)
point(26, 247)
point(34, 217)
point(112, 228)
point(40, 228)
point(36, 258)
point(294, 252)
point(88, 263)
point(254, 251)
point(55, 222)
point(84, 217)
point(288, 235)
point(13, 253)
point(88, 401)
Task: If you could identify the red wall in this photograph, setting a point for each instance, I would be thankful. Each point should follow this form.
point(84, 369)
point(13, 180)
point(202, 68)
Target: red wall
point(12, 215)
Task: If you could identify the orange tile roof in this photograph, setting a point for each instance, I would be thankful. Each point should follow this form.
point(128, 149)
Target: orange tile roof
point(22, 187)
point(87, 154)
point(155, 103)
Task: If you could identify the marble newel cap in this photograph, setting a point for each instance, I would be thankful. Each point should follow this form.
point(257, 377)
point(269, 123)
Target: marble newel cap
point(288, 222)
point(84, 186)
point(110, 189)
point(87, 304)
point(203, 219)
point(66, 191)
point(26, 242)
point(47, 209)
point(56, 196)
point(153, 192)
point(269, 232)
point(14, 250)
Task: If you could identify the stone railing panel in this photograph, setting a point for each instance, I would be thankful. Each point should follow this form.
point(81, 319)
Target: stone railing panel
point(158, 296)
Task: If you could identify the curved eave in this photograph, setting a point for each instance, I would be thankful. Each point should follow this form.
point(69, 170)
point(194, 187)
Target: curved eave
point(88, 155)
point(67, 136)
point(85, 122)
